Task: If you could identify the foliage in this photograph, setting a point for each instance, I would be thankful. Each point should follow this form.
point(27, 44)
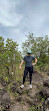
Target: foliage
point(32, 108)
point(9, 55)
point(39, 47)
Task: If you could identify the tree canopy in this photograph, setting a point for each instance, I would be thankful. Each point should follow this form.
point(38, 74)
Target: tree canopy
point(9, 54)
point(39, 47)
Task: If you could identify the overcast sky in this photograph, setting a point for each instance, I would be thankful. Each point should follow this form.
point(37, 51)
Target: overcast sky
point(18, 17)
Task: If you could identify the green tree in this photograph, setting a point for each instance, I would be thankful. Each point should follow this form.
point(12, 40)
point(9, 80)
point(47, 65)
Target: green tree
point(1, 44)
point(9, 55)
point(11, 52)
point(39, 47)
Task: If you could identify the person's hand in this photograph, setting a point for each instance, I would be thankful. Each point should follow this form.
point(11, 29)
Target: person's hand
point(20, 67)
point(34, 64)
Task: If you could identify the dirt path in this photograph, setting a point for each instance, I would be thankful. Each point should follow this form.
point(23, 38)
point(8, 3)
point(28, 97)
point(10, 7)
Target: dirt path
point(37, 81)
point(26, 98)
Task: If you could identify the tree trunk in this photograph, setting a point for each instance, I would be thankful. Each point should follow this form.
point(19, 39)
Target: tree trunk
point(8, 70)
point(12, 68)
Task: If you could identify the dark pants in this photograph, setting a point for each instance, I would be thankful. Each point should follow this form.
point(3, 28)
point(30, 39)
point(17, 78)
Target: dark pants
point(30, 70)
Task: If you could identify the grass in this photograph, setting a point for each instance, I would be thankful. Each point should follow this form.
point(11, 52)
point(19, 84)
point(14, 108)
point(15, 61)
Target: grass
point(32, 108)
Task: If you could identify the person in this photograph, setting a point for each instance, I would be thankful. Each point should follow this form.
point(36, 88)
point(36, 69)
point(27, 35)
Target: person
point(28, 67)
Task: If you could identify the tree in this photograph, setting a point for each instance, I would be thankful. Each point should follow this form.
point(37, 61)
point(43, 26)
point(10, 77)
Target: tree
point(9, 55)
point(11, 52)
point(1, 44)
point(39, 47)
point(1, 52)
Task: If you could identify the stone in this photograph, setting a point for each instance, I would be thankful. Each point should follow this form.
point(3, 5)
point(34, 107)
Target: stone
point(46, 105)
point(44, 92)
point(2, 91)
point(25, 107)
point(0, 108)
point(3, 82)
point(46, 83)
point(14, 87)
point(33, 92)
point(20, 91)
point(18, 98)
point(30, 101)
point(23, 98)
point(5, 101)
point(1, 87)
point(16, 107)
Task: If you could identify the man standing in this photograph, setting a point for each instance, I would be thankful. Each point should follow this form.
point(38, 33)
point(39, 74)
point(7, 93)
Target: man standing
point(28, 67)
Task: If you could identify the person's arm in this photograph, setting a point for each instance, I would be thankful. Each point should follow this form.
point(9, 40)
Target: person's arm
point(21, 64)
point(35, 61)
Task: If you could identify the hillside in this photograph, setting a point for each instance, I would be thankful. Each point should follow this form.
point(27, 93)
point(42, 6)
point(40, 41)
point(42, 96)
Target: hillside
point(13, 98)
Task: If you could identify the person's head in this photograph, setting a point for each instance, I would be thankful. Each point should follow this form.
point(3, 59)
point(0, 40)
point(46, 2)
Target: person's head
point(29, 52)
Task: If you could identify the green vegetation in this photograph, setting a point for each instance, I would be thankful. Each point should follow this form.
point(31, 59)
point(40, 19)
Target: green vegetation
point(32, 108)
point(40, 49)
point(10, 57)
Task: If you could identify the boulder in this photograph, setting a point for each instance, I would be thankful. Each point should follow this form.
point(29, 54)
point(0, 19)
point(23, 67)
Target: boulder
point(1, 87)
point(5, 101)
point(44, 92)
point(14, 87)
point(46, 105)
point(32, 92)
point(20, 91)
point(2, 91)
point(30, 101)
point(0, 108)
point(25, 107)
point(2, 81)
point(16, 107)
point(18, 98)
point(46, 83)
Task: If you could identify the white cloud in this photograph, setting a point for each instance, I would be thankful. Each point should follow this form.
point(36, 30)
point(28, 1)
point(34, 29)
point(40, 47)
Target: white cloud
point(8, 14)
point(18, 17)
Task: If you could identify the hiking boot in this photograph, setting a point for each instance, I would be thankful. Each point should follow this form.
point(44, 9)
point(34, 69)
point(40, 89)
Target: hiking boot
point(22, 86)
point(30, 86)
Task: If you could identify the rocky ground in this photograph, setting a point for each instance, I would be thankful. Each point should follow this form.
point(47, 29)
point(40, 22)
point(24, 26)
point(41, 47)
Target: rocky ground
point(16, 99)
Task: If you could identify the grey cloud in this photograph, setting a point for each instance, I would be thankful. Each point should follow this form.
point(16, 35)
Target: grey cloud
point(18, 17)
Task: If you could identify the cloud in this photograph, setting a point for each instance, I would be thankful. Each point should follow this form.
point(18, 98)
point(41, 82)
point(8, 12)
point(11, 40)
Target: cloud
point(18, 17)
point(8, 15)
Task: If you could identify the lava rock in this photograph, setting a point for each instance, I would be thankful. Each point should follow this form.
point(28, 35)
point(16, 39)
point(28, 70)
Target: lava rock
point(46, 83)
point(14, 87)
point(20, 91)
point(44, 92)
point(0, 108)
point(5, 101)
point(3, 82)
point(30, 101)
point(46, 105)
point(18, 98)
point(2, 91)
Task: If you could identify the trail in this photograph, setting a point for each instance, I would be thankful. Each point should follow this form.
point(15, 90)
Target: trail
point(27, 98)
